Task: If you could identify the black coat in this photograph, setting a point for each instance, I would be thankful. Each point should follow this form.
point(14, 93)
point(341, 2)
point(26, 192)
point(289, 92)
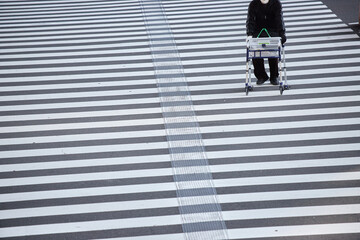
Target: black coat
point(267, 16)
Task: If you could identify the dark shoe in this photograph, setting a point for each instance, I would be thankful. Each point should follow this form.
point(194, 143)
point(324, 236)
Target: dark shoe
point(261, 81)
point(274, 81)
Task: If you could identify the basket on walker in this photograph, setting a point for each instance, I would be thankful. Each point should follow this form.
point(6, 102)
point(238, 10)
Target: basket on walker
point(269, 47)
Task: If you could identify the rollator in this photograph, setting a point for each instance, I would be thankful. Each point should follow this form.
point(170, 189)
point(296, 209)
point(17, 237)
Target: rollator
point(269, 47)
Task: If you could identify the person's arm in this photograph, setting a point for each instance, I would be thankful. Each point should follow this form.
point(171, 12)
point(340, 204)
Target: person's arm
point(250, 22)
point(280, 22)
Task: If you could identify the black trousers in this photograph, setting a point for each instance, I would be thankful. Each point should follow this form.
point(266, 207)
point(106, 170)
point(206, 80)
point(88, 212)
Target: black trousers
point(259, 68)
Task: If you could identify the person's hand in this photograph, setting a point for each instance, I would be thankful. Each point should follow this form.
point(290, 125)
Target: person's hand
point(283, 39)
point(248, 38)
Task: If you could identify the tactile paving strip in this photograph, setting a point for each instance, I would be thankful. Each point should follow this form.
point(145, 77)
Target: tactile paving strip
point(198, 204)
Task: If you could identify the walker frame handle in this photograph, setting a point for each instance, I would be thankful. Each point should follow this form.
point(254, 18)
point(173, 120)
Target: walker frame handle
point(264, 29)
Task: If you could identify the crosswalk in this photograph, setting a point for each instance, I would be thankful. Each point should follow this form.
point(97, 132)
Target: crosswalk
point(128, 120)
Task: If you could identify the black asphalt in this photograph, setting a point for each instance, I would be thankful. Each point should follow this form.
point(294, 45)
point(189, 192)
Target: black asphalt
point(347, 10)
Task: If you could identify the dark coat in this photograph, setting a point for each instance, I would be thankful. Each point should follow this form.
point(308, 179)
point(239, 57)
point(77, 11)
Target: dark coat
point(267, 16)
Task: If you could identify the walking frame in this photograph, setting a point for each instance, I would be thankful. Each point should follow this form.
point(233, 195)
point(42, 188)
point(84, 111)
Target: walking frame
point(269, 47)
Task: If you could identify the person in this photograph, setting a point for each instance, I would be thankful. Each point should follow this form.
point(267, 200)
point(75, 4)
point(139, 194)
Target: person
point(266, 14)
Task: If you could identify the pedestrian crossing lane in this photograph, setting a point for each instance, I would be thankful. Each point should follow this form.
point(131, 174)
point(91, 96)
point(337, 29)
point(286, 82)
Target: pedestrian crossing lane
point(85, 153)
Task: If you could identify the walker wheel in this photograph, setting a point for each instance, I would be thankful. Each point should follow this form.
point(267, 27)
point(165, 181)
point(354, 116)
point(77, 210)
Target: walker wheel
point(248, 89)
point(281, 90)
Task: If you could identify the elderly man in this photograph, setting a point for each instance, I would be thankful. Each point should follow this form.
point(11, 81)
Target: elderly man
point(266, 14)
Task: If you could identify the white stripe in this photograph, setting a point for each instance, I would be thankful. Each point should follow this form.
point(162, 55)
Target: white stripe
point(50, 29)
point(135, 48)
point(290, 195)
point(75, 41)
point(195, 28)
point(191, 70)
point(306, 12)
point(289, 231)
point(82, 150)
point(179, 23)
point(78, 104)
point(83, 137)
point(60, 8)
point(11, 62)
point(240, 9)
point(323, 54)
point(111, 34)
point(67, 2)
point(285, 8)
point(294, 164)
point(283, 150)
point(158, 187)
point(259, 93)
point(312, 12)
point(148, 159)
point(69, 54)
point(53, 17)
point(171, 14)
point(92, 8)
point(73, 38)
point(28, 5)
point(90, 226)
point(281, 125)
point(217, 117)
point(187, 71)
point(282, 138)
point(232, 128)
point(175, 236)
point(143, 41)
point(310, 28)
point(66, 20)
point(323, 71)
point(80, 125)
point(156, 100)
point(323, 45)
point(85, 163)
point(88, 208)
point(172, 202)
point(292, 212)
point(241, 79)
point(154, 133)
point(242, 50)
point(241, 44)
point(79, 76)
point(208, 87)
point(294, 91)
point(80, 1)
point(123, 67)
point(183, 2)
point(77, 11)
point(124, 112)
point(318, 63)
point(319, 9)
point(277, 104)
point(114, 175)
point(328, 38)
point(241, 12)
point(169, 7)
point(87, 192)
point(185, 62)
point(304, 178)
